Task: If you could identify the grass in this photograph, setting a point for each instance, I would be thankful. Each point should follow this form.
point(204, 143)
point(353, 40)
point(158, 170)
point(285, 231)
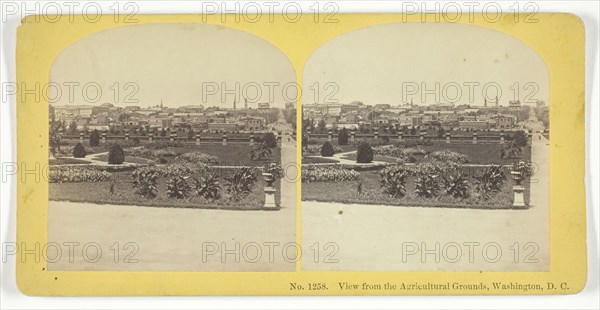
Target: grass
point(128, 159)
point(230, 155)
point(124, 194)
point(68, 161)
point(372, 194)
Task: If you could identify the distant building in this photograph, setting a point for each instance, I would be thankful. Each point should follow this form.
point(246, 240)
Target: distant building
point(514, 105)
point(264, 105)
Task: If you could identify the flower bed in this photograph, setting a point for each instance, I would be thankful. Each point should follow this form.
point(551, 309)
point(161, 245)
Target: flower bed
point(327, 173)
point(198, 157)
point(76, 174)
point(448, 156)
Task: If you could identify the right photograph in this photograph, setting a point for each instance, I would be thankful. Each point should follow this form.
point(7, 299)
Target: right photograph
point(425, 147)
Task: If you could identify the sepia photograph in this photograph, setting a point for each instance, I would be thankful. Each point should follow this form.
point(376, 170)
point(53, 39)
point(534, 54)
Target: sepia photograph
point(169, 153)
point(426, 149)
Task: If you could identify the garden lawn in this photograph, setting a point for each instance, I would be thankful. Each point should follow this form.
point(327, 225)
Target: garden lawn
point(128, 159)
point(372, 193)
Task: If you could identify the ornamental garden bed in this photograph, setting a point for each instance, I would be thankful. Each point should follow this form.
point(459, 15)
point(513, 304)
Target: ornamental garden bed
point(90, 185)
point(331, 184)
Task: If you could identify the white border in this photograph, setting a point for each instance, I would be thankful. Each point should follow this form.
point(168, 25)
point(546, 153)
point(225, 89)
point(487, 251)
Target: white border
point(12, 298)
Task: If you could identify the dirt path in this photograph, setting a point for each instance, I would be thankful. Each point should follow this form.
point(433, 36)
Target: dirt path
point(382, 238)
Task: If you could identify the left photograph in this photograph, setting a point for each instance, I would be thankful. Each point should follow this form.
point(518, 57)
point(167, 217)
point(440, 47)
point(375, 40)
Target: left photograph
point(168, 149)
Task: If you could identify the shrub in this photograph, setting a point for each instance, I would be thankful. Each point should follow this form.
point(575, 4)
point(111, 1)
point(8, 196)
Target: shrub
point(343, 137)
point(178, 187)
point(207, 186)
point(95, 138)
point(318, 173)
point(67, 150)
point(490, 182)
point(79, 151)
point(364, 155)
point(145, 182)
point(197, 157)
point(116, 155)
point(241, 183)
point(427, 186)
point(393, 181)
point(457, 186)
point(327, 150)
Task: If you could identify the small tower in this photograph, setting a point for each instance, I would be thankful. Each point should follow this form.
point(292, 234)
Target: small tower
point(245, 103)
point(497, 101)
point(485, 102)
point(234, 102)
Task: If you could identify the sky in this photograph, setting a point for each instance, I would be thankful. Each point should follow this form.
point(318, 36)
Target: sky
point(426, 63)
point(178, 64)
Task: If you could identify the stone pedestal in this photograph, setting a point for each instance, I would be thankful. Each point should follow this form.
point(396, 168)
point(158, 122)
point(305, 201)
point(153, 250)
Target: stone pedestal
point(376, 136)
point(126, 137)
point(448, 138)
point(269, 192)
point(251, 139)
point(224, 140)
point(352, 135)
point(150, 137)
point(519, 200)
point(475, 137)
point(270, 198)
point(329, 136)
point(103, 138)
point(81, 137)
point(502, 137)
point(197, 139)
point(400, 136)
point(172, 138)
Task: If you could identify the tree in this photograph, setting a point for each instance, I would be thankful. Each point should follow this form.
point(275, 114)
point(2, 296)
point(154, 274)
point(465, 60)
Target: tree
point(441, 132)
point(116, 155)
point(364, 155)
point(79, 151)
point(520, 138)
point(327, 150)
point(54, 137)
point(413, 130)
point(322, 125)
point(270, 140)
point(260, 151)
point(343, 137)
point(73, 127)
point(95, 138)
point(514, 148)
